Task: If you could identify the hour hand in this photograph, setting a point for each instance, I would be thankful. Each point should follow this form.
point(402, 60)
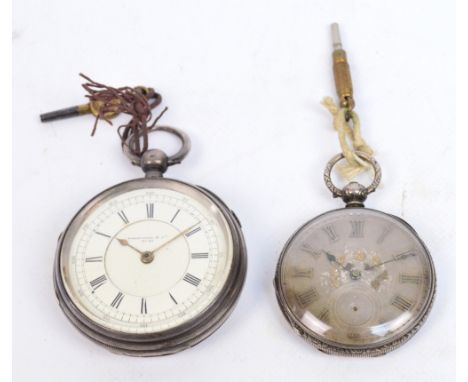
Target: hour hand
point(125, 243)
point(332, 259)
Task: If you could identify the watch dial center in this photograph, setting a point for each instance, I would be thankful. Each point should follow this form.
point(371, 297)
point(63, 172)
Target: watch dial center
point(147, 257)
point(145, 265)
point(355, 274)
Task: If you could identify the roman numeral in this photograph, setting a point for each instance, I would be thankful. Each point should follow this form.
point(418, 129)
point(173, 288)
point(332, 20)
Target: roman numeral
point(308, 297)
point(324, 315)
point(309, 249)
point(353, 336)
point(95, 259)
point(117, 300)
point(383, 235)
point(143, 307)
point(401, 303)
point(330, 232)
point(191, 279)
point(150, 210)
point(102, 234)
point(201, 255)
point(123, 217)
point(175, 215)
point(98, 282)
point(357, 228)
point(173, 299)
point(410, 279)
point(192, 232)
point(301, 272)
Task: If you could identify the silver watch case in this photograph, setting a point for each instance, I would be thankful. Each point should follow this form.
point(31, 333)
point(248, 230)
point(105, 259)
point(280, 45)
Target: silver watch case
point(175, 339)
point(334, 348)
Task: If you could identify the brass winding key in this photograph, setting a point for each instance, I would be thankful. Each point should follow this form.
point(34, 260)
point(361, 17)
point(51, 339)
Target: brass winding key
point(93, 107)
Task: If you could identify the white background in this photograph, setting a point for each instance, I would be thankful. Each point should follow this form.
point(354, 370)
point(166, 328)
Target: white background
point(244, 79)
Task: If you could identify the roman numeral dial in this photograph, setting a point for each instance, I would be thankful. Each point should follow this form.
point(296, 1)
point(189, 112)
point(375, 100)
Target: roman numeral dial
point(355, 277)
point(149, 259)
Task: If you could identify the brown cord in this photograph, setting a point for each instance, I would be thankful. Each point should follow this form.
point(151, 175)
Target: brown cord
point(136, 102)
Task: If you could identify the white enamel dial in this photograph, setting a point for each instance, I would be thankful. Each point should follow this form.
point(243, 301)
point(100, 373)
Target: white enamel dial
point(148, 260)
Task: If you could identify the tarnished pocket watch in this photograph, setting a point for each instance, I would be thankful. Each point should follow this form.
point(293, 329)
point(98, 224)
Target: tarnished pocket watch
point(355, 281)
point(151, 266)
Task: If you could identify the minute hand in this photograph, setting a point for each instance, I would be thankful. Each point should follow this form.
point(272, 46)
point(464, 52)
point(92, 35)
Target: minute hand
point(173, 238)
point(401, 256)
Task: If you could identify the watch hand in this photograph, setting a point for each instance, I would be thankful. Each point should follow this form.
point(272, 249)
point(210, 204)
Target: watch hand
point(125, 243)
point(401, 256)
point(332, 259)
point(174, 238)
point(376, 282)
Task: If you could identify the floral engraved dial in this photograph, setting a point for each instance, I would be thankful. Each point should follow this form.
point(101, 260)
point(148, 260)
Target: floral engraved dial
point(147, 260)
point(356, 277)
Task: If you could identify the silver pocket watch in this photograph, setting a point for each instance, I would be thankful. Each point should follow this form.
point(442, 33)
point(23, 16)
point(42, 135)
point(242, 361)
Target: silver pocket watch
point(151, 266)
point(355, 281)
